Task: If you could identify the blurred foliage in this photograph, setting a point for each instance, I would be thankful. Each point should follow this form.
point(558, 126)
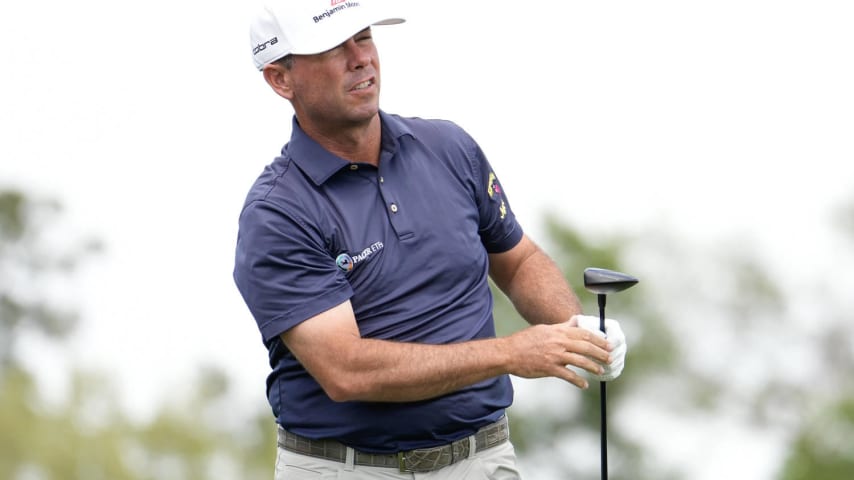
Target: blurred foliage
point(823, 448)
point(28, 259)
point(86, 436)
point(719, 298)
point(652, 350)
point(737, 325)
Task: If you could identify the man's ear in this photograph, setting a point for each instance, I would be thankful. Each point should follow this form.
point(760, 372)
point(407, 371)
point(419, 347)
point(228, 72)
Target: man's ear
point(279, 79)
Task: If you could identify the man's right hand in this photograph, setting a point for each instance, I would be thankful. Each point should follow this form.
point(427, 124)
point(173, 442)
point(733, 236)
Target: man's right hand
point(547, 351)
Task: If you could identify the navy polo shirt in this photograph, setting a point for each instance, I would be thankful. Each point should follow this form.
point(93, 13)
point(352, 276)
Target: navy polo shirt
point(406, 243)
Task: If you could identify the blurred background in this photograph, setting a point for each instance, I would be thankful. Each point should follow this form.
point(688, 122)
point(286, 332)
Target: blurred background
point(704, 147)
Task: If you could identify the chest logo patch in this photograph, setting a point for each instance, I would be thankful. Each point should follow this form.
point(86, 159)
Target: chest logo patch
point(347, 262)
point(344, 262)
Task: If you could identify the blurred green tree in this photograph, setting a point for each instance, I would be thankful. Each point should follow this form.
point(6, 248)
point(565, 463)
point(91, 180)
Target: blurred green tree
point(553, 437)
point(86, 436)
point(742, 340)
point(822, 446)
point(28, 263)
point(740, 360)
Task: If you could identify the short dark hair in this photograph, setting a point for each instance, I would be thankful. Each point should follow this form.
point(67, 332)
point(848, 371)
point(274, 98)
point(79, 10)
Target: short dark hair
point(287, 61)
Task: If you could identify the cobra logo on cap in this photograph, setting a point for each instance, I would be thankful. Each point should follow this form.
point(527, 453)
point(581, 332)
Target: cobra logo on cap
point(263, 46)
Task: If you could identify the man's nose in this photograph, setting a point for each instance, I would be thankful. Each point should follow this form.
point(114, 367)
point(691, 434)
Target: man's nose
point(358, 57)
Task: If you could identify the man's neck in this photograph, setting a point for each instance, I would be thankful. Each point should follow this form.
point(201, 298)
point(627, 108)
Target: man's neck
point(357, 144)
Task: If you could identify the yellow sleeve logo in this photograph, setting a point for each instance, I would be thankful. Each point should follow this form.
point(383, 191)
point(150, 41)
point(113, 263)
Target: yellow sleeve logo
point(492, 188)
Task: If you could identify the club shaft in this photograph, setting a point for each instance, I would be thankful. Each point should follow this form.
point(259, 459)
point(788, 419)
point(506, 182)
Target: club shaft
point(603, 427)
point(601, 299)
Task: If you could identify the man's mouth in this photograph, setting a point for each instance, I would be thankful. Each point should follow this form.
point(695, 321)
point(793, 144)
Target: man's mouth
point(363, 85)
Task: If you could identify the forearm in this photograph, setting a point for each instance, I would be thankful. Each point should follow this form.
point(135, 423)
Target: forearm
point(380, 370)
point(350, 367)
point(541, 294)
point(536, 287)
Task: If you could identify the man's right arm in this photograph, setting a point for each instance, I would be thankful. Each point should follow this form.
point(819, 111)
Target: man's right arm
point(349, 367)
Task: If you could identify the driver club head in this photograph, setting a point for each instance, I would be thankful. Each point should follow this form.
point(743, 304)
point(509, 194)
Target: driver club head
point(602, 281)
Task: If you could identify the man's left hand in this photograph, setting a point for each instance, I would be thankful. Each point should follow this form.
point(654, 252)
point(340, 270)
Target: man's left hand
point(616, 339)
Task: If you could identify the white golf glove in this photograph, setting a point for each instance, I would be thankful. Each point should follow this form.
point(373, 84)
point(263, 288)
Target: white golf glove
point(617, 340)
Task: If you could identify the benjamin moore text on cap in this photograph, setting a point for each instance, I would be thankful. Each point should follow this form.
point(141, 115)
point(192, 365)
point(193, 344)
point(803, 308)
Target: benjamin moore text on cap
point(306, 27)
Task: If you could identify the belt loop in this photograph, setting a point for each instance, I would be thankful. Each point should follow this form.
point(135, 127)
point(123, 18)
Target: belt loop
point(350, 460)
point(472, 446)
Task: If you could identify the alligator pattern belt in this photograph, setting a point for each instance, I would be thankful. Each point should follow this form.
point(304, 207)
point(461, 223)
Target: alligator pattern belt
point(420, 460)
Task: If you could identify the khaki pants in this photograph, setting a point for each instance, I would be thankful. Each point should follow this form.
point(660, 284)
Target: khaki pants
point(496, 463)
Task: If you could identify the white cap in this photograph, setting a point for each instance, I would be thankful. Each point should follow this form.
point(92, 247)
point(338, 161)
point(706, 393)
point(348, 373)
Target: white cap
point(306, 27)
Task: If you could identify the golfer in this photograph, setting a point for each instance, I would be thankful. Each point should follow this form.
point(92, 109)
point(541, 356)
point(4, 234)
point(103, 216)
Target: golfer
point(364, 253)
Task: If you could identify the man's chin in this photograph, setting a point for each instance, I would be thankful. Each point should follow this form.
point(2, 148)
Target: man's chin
point(365, 114)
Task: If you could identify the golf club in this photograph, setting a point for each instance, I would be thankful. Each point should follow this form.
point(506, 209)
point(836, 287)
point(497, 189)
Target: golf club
point(602, 282)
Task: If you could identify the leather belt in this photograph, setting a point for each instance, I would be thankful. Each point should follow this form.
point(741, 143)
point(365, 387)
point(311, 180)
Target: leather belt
point(420, 460)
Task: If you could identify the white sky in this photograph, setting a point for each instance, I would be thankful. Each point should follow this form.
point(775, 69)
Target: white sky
point(149, 122)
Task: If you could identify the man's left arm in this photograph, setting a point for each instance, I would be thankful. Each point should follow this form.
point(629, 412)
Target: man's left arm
point(541, 294)
point(534, 284)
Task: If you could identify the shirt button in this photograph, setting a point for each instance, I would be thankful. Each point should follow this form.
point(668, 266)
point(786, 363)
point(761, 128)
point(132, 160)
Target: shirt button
point(382, 180)
point(393, 208)
point(354, 167)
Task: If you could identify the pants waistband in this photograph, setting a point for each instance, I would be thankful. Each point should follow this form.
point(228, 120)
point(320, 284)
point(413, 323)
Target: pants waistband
point(420, 460)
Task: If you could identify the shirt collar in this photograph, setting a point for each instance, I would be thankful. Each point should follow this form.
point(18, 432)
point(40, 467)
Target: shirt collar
point(320, 164)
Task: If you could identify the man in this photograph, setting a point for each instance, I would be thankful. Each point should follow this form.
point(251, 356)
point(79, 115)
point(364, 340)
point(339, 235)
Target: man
point(364, 253)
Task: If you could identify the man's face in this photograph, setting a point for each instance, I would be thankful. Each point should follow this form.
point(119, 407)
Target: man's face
point(340, 86)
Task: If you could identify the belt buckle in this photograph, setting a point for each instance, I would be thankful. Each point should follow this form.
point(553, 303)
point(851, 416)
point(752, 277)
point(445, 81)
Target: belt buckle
point(401, 462)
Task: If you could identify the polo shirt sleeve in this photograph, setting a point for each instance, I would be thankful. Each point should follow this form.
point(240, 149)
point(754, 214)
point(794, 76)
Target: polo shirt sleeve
point(283, 269)
point(499, 231)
